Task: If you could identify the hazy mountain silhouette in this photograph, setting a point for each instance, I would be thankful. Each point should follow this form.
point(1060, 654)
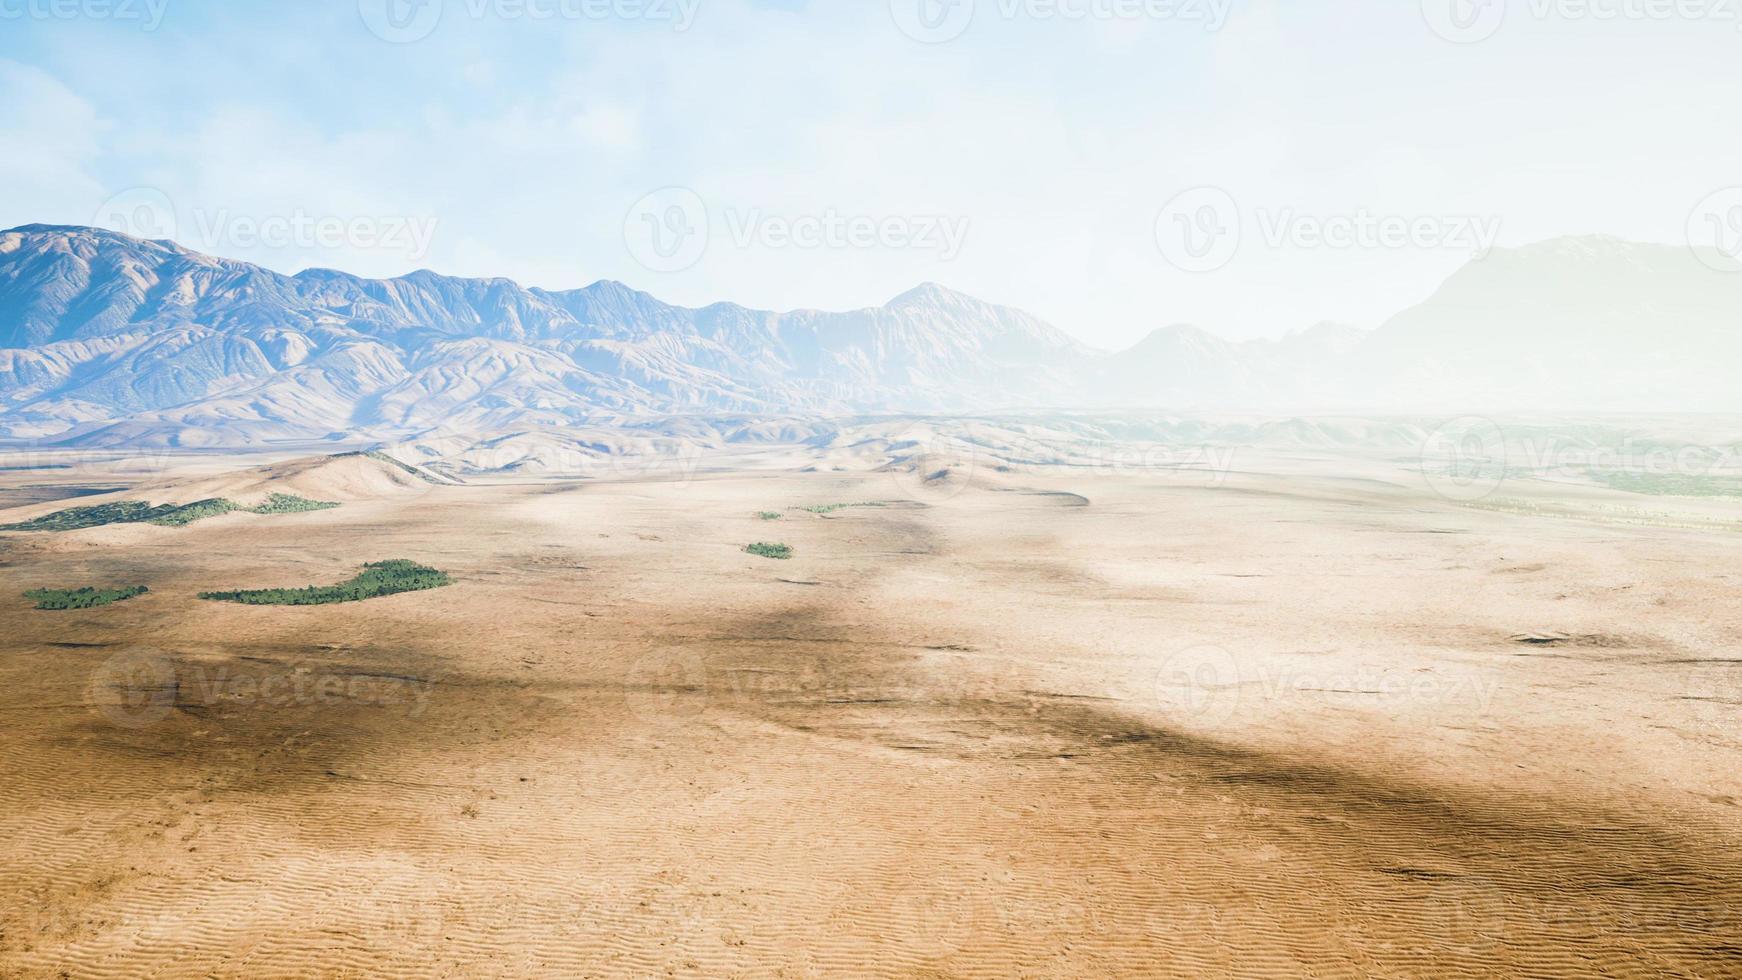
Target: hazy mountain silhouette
point(108, 338)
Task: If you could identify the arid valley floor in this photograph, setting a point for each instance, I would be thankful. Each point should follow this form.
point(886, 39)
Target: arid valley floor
point(1305, 717)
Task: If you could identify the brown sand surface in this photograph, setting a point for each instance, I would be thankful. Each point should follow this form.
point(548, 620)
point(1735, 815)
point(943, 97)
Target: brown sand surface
point(1050, 725)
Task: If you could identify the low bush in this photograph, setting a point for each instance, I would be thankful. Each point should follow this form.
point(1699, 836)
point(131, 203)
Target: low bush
point(85, 598)
point(286, 503)
point(377, 579)
point(76, 518)
point(163, 515)
point(825, 509)
point(763, 549)
point(197, 511)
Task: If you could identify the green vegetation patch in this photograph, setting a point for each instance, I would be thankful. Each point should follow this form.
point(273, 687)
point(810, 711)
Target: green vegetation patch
point(831, 508)
point(199, 510)
point(163, 515)
point(75, 518)
point(768, 515)
point(286, 503)
point(765, 550)
point(377, 579)
point(85, 598)
point(1668, 484)
point(381, 457)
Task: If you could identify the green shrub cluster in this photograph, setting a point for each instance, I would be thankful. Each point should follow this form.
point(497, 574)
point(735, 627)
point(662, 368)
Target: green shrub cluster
point(75, 518)
point(285, 503)
point(1668, 484)
point(768, 515)
point(377, 579)
point(765, 550)
point(381, 457)
point(196, 511)
point(85, 598)
point(166, 515)
point(831, 508)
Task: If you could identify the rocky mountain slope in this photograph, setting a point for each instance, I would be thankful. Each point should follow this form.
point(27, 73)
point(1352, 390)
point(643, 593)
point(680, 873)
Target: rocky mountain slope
point(111, 340)
point(106, 336)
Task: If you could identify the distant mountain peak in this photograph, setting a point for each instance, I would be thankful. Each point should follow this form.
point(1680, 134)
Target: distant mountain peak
point(108, 337)
point(103, 332)
point(932, 294)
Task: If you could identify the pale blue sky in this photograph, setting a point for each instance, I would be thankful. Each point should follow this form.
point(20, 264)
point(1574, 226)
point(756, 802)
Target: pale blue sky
point(1050, 144)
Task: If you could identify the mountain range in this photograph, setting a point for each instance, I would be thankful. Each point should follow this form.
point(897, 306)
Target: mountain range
point(108, 340)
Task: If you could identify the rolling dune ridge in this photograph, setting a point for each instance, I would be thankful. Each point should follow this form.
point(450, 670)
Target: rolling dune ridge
point(1099, 726)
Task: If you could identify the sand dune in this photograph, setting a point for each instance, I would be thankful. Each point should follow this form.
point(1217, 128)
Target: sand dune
point(347, 476)
point(1048, 723)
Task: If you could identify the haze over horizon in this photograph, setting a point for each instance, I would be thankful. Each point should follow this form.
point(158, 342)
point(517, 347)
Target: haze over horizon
point(107, 339)
point(897, 489)
point(1023, 156)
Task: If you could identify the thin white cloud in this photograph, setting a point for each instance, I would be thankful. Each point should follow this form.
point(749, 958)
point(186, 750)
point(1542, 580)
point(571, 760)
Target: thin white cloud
point(53, 139)
point(1057, 143)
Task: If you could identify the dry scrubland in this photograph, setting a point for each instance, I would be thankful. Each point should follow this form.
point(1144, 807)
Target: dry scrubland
point(1309, 719)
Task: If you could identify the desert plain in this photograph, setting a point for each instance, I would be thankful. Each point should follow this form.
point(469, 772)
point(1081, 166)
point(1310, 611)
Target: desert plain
point(1296, 714)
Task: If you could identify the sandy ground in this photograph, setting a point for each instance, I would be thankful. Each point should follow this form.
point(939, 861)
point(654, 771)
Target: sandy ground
point(1053, 725)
